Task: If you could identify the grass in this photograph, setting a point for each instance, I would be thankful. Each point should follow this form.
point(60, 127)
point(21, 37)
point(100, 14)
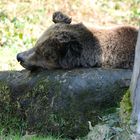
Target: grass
point(23, 21)
point(28, 137)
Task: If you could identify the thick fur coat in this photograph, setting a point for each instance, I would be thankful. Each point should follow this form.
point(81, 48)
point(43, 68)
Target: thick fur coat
point(65, 46)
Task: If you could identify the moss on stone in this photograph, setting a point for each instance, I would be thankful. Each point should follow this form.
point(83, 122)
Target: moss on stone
point(4, 92)
point(125, 108)
point(39, 102)
point(9, 119)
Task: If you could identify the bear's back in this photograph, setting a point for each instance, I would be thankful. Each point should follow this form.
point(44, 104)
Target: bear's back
point(117, 46)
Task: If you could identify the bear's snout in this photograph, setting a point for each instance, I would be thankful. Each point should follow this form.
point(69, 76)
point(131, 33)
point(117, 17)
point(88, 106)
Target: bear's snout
point(20, 58)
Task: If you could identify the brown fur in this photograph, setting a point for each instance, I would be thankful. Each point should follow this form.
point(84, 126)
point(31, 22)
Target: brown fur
point(68, 46)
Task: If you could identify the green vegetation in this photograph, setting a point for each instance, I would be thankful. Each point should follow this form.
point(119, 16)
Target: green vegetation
point(125, 108)
point(9, 120)
point(28, 137)
point(23, 21)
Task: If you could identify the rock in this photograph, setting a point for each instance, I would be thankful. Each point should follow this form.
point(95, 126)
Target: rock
point(110, 129)
point(61, 102)
point(100, 132)
point(105, 132)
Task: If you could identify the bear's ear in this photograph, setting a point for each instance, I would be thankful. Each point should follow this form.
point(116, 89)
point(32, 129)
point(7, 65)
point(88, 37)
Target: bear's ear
point(70, 50)
point(59, 17)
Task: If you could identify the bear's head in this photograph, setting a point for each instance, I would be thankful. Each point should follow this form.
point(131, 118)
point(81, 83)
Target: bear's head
point(58, 47)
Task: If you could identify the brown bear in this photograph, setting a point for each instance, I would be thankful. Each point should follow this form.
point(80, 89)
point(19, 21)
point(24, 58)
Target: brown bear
point(65, 46)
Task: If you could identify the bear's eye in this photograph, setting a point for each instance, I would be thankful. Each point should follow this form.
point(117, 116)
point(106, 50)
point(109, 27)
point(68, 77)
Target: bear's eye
point(37, 52)
point(53, 56)
point(47, 53)
point(50, 55)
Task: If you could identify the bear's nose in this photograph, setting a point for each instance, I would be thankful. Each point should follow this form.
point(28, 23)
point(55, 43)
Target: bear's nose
point(20, 58)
